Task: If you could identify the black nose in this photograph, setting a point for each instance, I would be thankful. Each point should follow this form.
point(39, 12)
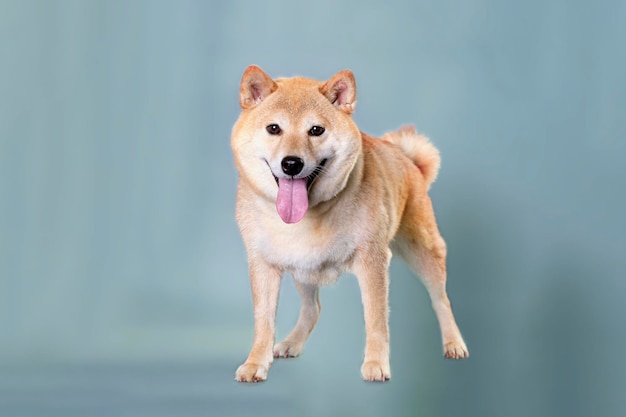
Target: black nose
point(292, 165)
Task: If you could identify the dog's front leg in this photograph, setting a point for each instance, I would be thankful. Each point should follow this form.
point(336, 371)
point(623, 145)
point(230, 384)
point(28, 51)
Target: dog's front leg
point(265, 282)
point(371, 269)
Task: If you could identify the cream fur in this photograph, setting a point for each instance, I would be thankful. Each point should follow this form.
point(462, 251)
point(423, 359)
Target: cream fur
point(370, 196)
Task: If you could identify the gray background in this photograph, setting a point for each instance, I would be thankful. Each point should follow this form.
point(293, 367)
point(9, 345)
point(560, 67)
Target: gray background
point(123, 279)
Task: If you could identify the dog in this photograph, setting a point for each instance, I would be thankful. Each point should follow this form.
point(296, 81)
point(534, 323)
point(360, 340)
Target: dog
point(317, 197)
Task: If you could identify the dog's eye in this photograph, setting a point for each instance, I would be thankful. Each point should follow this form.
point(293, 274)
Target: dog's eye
point(316, 131)
point(273, 129)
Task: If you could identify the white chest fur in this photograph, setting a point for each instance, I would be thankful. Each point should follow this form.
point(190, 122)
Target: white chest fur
point(314, 251)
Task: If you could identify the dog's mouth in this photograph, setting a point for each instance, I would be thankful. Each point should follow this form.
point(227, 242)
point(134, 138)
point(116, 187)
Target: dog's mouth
point(292, 199)
point(311, 177)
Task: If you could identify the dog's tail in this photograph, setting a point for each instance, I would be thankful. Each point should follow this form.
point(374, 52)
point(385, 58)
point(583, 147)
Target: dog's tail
point(419, 149)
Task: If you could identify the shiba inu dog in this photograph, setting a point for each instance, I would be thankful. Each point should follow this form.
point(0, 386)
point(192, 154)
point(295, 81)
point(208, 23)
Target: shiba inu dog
point(317, 197)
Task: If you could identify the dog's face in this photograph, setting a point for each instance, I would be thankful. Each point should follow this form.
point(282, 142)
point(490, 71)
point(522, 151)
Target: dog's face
point(295, 142)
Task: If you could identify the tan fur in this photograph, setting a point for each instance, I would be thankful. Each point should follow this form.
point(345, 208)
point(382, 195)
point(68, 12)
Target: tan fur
point(370, 197)
point(419, 149)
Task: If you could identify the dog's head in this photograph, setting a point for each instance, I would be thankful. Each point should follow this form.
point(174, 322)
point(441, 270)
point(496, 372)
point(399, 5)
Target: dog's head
point(295, 142)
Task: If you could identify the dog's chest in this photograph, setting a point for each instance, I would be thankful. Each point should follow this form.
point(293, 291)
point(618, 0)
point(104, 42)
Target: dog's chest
point(318, 253)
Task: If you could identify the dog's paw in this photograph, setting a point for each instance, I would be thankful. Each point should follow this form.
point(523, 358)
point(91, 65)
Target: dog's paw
point(455, 350)
point(287, 349)
point(251, 372)
point(375, 371)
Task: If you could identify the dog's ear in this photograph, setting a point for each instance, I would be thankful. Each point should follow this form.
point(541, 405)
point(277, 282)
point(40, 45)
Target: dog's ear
point(340, 90)
point(255, 87)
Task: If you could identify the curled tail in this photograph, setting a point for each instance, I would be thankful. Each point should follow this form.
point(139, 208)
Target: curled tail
point(419, 149)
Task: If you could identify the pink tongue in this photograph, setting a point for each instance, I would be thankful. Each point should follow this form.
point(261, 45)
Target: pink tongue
point(292, 201)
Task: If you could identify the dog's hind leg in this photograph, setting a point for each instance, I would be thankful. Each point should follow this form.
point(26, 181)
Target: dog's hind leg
point(309, 313)
point(424, 250)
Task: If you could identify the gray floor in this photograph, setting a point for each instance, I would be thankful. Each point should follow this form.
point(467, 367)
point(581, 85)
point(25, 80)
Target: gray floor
point(192, 390)
point(136, 390)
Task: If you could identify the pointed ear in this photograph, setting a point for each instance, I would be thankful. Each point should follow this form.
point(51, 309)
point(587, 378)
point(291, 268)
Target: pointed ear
point(340, 90)
point(255, 87)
